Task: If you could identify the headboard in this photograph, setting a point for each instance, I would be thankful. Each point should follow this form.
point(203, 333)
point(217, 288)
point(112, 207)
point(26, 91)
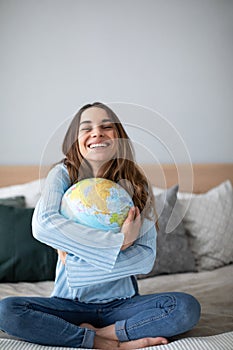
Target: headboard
point(205, 176)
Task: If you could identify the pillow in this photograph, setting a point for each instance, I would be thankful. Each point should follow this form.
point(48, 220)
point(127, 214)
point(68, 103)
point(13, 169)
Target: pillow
point(209, 221)
point(22, 257)
point(17, 201)
point(173, 252)
point(30, 190)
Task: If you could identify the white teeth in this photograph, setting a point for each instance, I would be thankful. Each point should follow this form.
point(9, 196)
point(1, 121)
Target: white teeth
point(96, 145)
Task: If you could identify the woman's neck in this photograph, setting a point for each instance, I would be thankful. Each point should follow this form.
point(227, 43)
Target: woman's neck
point(99, 169)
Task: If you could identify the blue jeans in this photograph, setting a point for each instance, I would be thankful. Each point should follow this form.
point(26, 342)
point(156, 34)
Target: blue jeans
point(55, 321)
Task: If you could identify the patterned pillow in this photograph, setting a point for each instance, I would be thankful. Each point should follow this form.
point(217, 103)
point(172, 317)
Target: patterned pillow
point(209, 221)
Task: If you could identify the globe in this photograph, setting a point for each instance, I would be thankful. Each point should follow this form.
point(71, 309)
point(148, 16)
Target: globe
point(98, 203)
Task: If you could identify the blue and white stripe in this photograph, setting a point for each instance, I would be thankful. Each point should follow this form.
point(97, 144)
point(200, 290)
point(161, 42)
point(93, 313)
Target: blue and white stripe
point(222, 341)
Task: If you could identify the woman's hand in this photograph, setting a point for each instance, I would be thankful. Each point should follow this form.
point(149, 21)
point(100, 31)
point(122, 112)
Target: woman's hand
point(62, 255)
point(131, 227)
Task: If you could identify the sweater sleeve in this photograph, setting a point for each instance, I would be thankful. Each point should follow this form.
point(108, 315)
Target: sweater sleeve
point(96, 247)
point(138, 258)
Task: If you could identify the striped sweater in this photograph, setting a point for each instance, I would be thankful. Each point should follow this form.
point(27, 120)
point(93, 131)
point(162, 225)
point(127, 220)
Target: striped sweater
point(96, 270)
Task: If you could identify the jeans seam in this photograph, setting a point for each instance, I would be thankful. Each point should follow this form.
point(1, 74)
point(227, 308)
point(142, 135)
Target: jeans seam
point(148, 320)
point(34, 306)
point(142, 303)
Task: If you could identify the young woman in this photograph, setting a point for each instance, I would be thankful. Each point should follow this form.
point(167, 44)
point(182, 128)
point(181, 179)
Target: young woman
point(95, 302)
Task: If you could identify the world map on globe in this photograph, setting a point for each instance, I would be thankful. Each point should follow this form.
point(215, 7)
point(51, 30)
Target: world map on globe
point(98, 203)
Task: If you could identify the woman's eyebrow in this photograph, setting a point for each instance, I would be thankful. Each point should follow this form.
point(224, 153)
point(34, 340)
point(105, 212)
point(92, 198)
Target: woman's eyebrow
point(89, 121)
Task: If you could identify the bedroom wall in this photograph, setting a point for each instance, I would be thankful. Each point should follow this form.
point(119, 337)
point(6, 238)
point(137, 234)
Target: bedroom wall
point(164, 66)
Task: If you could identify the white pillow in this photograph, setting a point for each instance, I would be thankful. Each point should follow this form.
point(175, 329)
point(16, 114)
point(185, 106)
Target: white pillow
point(30, 190)
point(209, 221)
point(157, 190)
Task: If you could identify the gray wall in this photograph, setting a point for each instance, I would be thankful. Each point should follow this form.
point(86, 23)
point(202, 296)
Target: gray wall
point(167, 65)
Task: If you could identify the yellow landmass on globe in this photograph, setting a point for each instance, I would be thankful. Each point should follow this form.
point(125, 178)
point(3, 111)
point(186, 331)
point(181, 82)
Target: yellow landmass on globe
point(118, 218)
point(97, 195)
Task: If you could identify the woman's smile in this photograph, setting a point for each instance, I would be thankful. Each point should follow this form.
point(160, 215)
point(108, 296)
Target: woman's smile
point(99, 145)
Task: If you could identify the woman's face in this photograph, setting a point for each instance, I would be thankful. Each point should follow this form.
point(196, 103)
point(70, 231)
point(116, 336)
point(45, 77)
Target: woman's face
point(97, 137)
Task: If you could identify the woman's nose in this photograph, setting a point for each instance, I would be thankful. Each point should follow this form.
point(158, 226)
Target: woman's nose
point(97, 131)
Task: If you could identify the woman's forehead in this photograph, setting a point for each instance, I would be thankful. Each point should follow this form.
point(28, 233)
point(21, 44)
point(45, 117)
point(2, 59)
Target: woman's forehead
point(94, 114)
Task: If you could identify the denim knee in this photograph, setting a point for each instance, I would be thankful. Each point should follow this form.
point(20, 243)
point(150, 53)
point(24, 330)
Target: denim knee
point(190, 310)
point(8, 313)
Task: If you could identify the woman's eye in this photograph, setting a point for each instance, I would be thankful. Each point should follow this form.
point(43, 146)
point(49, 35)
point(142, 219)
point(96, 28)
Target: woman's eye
point(85, 129)
point(107, 126)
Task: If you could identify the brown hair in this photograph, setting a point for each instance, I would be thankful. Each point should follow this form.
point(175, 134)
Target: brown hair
point(122, 168)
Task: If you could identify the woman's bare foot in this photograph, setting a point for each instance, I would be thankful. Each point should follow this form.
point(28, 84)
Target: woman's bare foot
point(106, 342)
point(89, 326)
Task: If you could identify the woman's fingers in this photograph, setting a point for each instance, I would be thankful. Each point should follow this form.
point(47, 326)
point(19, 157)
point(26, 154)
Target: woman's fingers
point(131, 227)
point(137, 211)
point(131, 214)
point(62, 256)
point(138, 215)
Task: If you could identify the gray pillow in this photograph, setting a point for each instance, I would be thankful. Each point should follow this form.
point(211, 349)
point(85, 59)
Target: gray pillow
point(173, 252)
point(16, 201)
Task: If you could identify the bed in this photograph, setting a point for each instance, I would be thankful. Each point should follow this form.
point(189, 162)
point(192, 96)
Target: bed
point(201, 230)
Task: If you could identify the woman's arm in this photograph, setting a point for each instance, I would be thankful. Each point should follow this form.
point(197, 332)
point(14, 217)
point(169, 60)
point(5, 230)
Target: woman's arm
point(130, 229)
point(138, 258)
point(99, 248)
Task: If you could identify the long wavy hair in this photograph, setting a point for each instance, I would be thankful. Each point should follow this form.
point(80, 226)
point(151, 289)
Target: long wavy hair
point(121, 169)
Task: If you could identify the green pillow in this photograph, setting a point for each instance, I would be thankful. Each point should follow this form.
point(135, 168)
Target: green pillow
point(22, 257)
point(17, 201)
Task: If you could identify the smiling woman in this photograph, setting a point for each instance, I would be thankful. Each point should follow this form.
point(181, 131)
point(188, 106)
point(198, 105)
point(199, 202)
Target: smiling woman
point(95, 301)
